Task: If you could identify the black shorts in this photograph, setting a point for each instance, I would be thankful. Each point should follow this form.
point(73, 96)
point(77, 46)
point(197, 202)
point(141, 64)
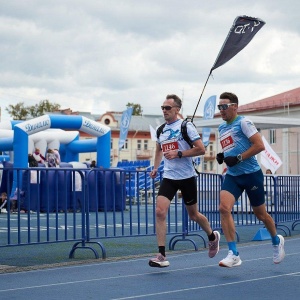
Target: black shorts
point(188, 188)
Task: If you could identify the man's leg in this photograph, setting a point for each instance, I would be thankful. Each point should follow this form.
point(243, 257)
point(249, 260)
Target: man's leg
point(196, 216)
point(227, 201)
point(277, 240)
point(202, 221)
point(162, 206)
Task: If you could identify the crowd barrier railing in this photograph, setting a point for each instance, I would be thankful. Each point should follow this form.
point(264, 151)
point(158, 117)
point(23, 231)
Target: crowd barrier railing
point(89, 206)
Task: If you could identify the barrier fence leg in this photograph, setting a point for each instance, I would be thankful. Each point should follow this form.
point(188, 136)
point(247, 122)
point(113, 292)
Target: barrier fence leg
point(185, 233)
point(86, 229)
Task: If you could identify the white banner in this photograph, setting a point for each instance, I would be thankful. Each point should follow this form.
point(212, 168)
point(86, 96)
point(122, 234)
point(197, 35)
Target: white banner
point(269, 159)
point(153, 134)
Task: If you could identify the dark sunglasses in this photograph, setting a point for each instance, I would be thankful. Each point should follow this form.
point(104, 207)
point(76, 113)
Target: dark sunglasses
point(224, 106)
point(167, 107)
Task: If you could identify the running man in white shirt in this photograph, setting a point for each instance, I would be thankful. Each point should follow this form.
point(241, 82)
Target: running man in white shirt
point(179, 173)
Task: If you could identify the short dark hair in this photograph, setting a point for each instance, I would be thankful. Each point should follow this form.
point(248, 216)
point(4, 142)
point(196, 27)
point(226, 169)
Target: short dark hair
point(232, 97)
point(176, 99)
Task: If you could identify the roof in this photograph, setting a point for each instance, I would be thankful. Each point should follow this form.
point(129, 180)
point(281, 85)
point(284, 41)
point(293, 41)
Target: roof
point(286, 99)
point(141, 123)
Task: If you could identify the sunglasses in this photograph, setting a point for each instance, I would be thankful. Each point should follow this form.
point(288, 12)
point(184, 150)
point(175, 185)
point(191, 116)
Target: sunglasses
point(224, 106)
point(167, 107)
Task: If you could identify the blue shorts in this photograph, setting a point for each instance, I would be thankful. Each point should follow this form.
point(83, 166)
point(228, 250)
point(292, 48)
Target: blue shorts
point(188, 187)
point(252, 183)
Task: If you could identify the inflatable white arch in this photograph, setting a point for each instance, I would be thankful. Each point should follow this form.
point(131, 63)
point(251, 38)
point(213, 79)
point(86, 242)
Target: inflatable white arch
point(24, 129)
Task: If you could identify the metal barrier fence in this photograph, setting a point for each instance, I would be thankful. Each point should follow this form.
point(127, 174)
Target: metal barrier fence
point(52, 205)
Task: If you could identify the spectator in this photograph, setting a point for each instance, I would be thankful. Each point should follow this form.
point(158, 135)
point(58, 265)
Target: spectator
point(57, 155)
point(269, 172)
point(38, 156)
point(93, 164)
point(32, 161)
point(14, 201)
point(3, 202)
point(51, 158)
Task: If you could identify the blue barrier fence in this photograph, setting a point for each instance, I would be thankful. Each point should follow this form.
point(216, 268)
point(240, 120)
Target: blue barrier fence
point(86, 206)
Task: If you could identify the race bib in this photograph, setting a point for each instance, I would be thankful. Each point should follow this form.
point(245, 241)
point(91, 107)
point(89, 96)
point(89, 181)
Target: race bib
point(227, 142)
point(169, 145)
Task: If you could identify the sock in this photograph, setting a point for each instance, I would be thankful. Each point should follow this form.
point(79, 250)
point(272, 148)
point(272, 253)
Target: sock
point(211, 237)
point(162, 250)
point(232, 247)
point(275, 240)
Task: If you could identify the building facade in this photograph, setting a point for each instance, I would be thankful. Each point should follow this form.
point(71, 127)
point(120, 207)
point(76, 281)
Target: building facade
point(139, 145)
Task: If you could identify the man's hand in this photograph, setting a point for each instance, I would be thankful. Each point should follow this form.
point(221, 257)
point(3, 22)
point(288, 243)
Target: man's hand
point(153, 173)
point(172, 154)
point(231, 161)
point(220, 158)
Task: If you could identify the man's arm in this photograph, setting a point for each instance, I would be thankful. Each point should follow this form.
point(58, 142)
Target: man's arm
point(157, 160)
point(197, 150)
point(256, 147)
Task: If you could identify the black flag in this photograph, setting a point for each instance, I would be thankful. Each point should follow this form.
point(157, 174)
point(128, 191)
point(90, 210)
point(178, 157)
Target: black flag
point(241, 33)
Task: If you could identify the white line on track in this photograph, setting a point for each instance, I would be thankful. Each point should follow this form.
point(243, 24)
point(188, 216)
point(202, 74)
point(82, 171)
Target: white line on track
point(147, 273)
point(207, 286)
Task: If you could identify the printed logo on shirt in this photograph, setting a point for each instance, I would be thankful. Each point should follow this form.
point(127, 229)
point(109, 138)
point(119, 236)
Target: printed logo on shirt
point(172, 134)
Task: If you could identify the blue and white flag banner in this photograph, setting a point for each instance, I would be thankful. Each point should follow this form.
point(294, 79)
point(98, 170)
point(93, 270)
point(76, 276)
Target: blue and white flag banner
point(205, 136)
point(125, 121)
point(208, 113)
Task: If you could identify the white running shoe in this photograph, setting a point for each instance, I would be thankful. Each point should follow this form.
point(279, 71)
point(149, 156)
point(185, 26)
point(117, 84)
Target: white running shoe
point(231, 260)
point(159, 261)
point(278, 251)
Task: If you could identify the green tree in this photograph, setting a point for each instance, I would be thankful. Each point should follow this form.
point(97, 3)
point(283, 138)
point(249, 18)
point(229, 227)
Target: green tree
point(21, 112)
point(18, 111)
point(42, 108)
point(137, 109)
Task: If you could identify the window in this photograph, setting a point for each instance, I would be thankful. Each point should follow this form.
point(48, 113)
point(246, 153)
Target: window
point(125, 146)
point(145, 144)
point(272, 136)
point(211, 149)
point(204, 165)
point(107, 121)
point(139, 144)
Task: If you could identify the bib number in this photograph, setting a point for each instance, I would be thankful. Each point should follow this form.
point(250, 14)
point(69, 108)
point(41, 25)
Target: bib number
point(169, 146)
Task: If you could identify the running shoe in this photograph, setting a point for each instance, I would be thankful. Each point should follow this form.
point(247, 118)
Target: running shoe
point(231, 260)
point(214, 246)
point(159, 261)
point(278, 251)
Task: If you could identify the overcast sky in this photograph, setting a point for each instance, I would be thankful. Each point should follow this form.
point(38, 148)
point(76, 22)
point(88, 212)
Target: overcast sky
point(98, 55)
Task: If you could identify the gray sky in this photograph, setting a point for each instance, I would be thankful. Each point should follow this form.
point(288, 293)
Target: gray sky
point(98, 55)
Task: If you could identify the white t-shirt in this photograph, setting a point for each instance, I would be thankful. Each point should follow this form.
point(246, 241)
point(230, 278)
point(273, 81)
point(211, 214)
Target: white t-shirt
point(171, 139)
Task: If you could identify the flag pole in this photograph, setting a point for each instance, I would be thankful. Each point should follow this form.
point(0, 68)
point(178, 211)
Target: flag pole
point(201, 96)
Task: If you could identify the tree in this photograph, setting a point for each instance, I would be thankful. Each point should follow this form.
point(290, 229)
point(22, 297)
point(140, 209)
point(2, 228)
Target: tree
point(21, 112)
point(137, 109)
point(43, 107)
point(18, 111)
